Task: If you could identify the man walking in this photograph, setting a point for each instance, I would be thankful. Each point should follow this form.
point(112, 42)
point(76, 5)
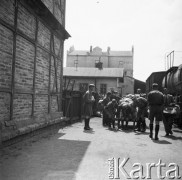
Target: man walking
point(88, 105)
point(155, 101)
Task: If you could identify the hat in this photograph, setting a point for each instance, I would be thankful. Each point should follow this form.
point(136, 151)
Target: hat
point(108, 93)
point(91, 85)
point(113, 100)
point(154, 85)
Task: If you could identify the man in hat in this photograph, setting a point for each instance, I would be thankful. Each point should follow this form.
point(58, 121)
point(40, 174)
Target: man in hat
point(156, 102)
point(88, 105)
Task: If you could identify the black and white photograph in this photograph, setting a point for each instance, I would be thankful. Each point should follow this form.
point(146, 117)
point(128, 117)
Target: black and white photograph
point(90, 89)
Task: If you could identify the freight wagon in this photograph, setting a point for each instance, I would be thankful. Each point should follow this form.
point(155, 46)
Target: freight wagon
point(155, 77)
point(172, 80)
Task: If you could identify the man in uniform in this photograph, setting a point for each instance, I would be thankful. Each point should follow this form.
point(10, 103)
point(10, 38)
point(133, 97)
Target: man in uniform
point(155, 101)
point(88, 105)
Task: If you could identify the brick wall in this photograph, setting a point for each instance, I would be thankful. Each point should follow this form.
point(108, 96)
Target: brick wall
point(31, 63)
point(26, 22)
point(24, 64)
point(41, 106)
point(57, 7)
point(6, 54)
point(5, 106)
point(22, 107)
point(7, 8)
point(42, 71)
point(44, 36)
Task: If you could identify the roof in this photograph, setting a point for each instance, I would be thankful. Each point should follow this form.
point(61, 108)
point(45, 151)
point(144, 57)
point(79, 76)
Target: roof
point(157, 74)
point(111, 53)
point(120, 53)
point(92, 72)
point(44, 13)
point(79, 53)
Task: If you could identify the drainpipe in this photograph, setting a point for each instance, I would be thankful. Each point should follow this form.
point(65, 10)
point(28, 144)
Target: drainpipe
point(0, 135)
point(95, 84)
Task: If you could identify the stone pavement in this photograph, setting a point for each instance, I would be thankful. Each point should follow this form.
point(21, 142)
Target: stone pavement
point(73, 154)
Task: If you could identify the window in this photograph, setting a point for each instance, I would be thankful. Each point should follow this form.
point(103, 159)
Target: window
point(121, 63)
point(103, 88)
point(121, 80)
point(98, 64)
point(76, 63)
point(83, 87)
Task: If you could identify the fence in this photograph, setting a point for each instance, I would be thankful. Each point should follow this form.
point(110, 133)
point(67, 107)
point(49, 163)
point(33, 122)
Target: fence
point(72, 104)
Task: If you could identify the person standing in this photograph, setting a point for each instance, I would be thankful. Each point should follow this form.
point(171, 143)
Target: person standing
point(142, 104)
point(105, 101)
point(111, 110)
point(138, 92)
point(167, 116)
point(155, 101)
point(88, 105)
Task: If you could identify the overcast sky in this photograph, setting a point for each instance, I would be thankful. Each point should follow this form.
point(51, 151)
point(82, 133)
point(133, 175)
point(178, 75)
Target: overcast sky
point(153, 27)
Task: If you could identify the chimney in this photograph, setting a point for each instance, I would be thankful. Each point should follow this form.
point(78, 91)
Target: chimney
point(108, 50)
point(90, 49)
point(72, 48)
point(132, 50)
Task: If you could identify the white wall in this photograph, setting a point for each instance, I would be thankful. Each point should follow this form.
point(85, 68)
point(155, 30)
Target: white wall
point(127, 87)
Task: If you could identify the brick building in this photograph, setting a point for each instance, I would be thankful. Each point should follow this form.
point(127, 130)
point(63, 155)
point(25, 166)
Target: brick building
point(32, 34)
point(109, 62)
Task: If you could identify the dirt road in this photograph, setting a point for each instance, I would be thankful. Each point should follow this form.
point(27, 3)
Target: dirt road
point(71, 153)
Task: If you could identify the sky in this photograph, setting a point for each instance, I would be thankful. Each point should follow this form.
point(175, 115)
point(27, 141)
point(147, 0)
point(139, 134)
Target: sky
point(153, 27)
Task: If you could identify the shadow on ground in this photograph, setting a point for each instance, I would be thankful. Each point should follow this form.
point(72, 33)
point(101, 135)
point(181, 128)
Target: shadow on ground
point(174, 137)
point(43, 158)
point(161, 142)
point(178, 131)
point(141, 133)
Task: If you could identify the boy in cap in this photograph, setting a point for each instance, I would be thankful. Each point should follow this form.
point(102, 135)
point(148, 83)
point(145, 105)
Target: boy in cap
point(111, 110)
point(141, 103)
point(88, 105)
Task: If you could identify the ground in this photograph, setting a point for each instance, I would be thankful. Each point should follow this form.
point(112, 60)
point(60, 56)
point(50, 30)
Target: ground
point(70, 153)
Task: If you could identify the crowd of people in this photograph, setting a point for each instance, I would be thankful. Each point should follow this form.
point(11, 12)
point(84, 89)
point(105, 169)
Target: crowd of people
point(156, 106)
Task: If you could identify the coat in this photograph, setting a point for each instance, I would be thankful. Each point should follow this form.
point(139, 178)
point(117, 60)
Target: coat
point(88, 103)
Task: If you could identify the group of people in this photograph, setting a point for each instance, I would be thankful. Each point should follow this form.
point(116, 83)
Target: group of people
point(154, 106)
point(162, 107)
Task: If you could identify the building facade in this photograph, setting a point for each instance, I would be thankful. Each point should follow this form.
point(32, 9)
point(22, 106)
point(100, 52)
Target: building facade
point(103, 61)
point(109, 59)
point(32, 35)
